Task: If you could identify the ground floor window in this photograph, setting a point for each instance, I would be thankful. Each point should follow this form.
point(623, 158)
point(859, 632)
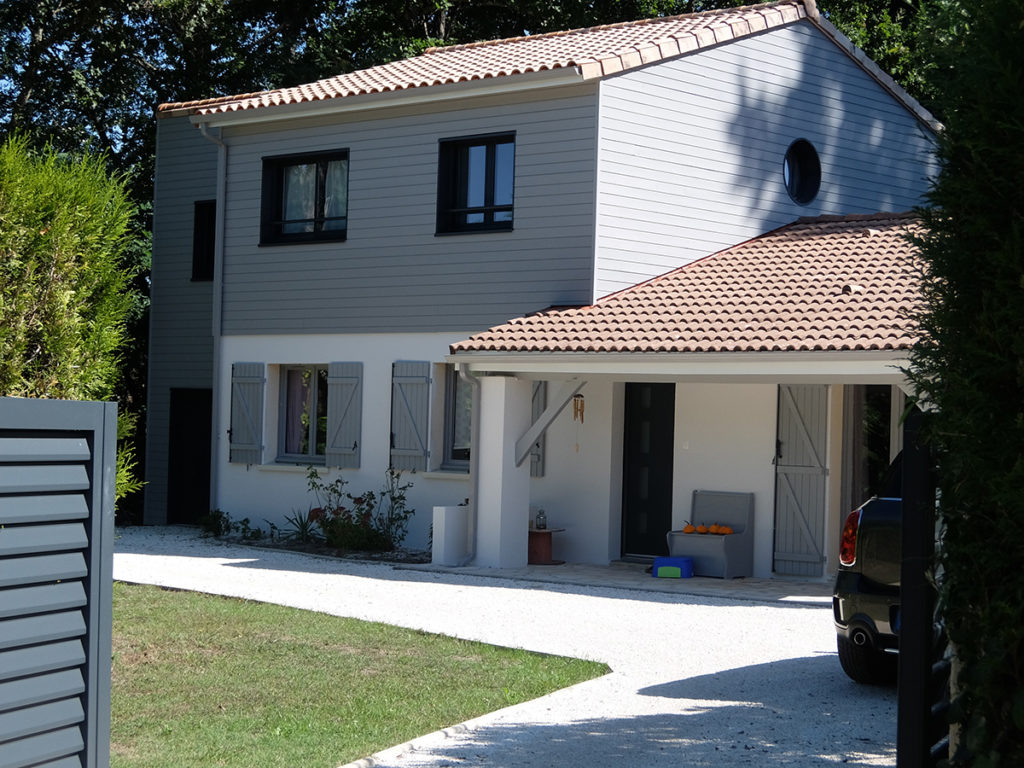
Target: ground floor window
point(458, 420)
point(303, 424)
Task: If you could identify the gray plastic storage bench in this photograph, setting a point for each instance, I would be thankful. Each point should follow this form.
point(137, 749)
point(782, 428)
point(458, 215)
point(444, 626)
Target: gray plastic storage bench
point(723, 556)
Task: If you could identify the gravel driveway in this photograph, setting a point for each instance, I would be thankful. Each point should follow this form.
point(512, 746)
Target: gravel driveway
point(695, 681)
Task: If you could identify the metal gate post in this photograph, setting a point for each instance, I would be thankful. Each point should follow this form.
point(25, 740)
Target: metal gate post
point(915, 724)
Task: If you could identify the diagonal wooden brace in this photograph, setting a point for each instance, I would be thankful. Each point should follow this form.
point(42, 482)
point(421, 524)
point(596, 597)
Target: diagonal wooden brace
point(561, 399)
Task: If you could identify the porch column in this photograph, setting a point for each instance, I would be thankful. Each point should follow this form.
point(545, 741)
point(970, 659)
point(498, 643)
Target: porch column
point(503, 489)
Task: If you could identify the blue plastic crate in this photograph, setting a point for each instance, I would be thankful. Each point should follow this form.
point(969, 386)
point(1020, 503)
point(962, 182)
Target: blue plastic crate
point(672, 568)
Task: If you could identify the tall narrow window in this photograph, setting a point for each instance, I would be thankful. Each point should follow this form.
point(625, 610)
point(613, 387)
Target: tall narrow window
point(204, 238)
point(303, 421)
point(458, 412)
point(475, 183)
point(305, 198)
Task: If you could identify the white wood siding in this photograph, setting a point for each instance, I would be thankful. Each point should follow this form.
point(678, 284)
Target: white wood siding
point(691, 151)
point(180, 321)
point(392, 273)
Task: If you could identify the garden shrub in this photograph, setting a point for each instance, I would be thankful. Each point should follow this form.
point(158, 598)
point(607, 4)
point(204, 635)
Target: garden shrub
point(372, 522)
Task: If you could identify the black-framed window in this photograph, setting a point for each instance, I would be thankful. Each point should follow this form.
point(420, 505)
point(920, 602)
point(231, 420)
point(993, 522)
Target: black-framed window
point(475, 180)
point(458, 420)
point(204, 238)
point(305, 198)
point(303, 413)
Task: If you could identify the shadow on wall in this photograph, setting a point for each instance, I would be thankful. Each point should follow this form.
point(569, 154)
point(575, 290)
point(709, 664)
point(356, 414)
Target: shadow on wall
point(799, 712)
point(860, 134)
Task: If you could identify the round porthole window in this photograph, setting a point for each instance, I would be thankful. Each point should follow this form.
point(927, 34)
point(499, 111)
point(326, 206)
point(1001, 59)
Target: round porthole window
point(802, 171)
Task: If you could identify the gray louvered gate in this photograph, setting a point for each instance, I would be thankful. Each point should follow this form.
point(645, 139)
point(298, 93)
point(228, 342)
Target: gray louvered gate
point(56, 567)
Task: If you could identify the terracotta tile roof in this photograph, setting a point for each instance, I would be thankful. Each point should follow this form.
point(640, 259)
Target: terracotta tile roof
point(827, 283)
point(595, 52)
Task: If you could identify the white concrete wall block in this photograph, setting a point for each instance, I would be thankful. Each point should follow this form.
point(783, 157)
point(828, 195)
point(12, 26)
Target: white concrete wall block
point(725, 441)
point(503, 495)
point(581, 490)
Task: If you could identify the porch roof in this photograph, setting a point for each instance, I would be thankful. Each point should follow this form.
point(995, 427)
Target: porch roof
point(838, 287)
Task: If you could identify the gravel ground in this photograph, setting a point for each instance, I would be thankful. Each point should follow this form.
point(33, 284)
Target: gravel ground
point(695, 681)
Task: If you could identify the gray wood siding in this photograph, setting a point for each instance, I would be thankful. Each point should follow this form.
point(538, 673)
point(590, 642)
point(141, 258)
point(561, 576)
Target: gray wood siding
point(393, 274)
point(181, 312)
point(691, 151)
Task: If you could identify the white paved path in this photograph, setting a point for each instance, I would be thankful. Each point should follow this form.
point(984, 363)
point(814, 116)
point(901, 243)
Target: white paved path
point(695, 681)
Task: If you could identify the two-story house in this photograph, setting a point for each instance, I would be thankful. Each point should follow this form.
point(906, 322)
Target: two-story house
point(328, 260)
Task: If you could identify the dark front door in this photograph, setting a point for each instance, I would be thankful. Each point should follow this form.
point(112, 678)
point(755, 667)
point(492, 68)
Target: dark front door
point(188, 460)
point(647, 468)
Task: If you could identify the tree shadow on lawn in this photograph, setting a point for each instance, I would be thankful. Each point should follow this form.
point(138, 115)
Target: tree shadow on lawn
point(797, 712)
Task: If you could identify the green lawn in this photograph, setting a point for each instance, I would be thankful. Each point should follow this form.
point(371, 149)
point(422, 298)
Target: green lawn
point(213, 681)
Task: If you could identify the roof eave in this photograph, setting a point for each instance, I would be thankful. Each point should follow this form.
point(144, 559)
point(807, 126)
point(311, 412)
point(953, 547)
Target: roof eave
point(839, 366)
point(432, 94)
point(875, 72)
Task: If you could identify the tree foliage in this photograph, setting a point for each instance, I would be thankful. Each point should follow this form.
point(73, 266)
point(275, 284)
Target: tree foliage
point(64, 227)
point(969, 365)
point(65, 224)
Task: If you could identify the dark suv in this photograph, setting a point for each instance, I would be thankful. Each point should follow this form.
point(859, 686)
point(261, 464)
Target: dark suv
point(866, 598)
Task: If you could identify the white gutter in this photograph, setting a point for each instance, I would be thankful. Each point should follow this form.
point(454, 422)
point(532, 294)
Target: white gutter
point(474, 462)
point(218, 298)
point(850, 367)
point(405, 97)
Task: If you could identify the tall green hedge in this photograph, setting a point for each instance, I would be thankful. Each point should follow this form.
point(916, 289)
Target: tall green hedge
point(970, 366)
point(64, 227)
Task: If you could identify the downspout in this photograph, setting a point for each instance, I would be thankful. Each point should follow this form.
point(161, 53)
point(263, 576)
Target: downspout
point(218, 289)
point(474, 461)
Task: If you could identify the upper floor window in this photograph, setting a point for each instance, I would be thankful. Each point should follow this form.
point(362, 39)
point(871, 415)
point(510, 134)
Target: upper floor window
point(204, 228)
point(474, 183)
point(305, 198)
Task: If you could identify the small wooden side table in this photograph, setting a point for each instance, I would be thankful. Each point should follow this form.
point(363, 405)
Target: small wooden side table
point(539, 552)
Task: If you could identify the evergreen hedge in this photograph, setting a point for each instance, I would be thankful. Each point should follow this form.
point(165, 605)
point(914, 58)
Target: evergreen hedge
point(65, 225)
point(969, 365)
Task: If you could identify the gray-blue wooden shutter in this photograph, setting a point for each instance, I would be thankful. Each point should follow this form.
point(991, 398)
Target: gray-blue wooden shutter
point(344, 414)
point(56, 554)
point(540, 402)
point(410, 414)
point(245, 439)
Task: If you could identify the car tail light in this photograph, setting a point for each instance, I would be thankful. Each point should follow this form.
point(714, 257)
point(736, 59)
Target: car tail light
point(848, 541)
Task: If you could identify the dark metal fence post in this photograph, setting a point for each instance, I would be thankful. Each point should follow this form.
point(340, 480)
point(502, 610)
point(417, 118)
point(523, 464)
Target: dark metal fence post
point(916, 721)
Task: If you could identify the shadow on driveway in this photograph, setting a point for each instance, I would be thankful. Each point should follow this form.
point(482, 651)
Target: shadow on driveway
point(797, 712)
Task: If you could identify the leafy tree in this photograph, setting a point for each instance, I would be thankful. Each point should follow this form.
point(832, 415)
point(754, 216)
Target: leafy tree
point(377, 31)
point(970, 365)
point(64, 224)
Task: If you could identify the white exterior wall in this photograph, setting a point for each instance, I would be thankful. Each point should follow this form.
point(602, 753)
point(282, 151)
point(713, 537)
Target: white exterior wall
point(270, 491)
point(581, 490)
point(725, 441)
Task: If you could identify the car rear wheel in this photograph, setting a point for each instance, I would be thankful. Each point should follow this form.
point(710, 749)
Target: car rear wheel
point(864, 664)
